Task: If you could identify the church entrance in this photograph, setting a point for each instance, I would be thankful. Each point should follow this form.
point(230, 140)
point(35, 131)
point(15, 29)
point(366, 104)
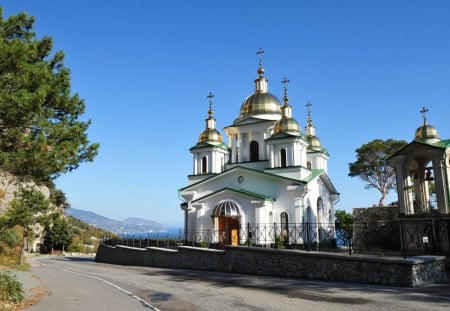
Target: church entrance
point(226, 219)
point(228, 231)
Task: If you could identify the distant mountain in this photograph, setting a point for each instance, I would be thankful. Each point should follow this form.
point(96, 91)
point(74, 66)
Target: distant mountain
point(129, 225)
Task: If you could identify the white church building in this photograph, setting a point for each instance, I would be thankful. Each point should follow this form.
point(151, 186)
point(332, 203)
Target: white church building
point(268, 183)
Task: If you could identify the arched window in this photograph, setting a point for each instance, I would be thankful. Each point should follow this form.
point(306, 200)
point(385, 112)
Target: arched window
point(308, 165)
point(204, 165)
point(283, 158)
point(319, 210)
point(285, 228)
point(254, 151)
point(284, 220)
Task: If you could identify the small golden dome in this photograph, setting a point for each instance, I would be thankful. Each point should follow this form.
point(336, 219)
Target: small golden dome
point(314, 142)
point(427, 132)
point(260, 103)
point(287, 126)
point(210, 136)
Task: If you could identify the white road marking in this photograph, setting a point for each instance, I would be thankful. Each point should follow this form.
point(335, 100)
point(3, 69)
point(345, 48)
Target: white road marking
point(145, 303)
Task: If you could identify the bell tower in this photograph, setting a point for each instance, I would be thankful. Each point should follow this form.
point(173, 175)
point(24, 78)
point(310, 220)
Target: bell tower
point(210, 153)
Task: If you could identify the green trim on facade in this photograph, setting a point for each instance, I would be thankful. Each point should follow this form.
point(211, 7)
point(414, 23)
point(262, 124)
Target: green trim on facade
point(209, 145)
point(322, 150)
point(297, 181)
point(252, 120)
point(240, 191)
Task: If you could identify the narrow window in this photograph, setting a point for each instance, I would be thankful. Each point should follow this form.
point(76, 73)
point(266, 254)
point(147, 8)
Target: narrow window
point(285, 228)
point(204, 165)
point(283, 157)
point(254, 151)
point(308, 165)
point(284, 221)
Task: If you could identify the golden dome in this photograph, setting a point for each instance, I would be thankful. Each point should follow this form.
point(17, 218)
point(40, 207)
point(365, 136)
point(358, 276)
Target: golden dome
point(260, 104)
point(314, 142)
point(210, 136)
point(427, 132)
point(287, 126)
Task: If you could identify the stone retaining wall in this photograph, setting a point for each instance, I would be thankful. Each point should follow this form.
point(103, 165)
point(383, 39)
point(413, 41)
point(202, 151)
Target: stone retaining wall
point(394, 271)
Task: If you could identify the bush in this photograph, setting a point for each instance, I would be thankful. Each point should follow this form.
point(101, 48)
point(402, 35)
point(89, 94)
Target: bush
point(10, 288)
point(75, 248)
point(10, 237)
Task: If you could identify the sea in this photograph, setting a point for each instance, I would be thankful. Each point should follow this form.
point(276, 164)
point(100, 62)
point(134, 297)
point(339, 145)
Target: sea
point(171, 231)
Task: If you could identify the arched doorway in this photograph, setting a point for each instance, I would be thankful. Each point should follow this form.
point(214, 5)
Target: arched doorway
point(226, 221)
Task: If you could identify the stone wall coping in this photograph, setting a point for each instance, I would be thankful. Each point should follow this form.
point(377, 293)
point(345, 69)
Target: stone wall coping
point(160, 249)
point(133, 248)
point(108, 246)
point(201, 249)
point(354, 257)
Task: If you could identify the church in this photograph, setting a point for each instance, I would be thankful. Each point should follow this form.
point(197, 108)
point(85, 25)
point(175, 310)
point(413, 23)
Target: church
point(268, 183)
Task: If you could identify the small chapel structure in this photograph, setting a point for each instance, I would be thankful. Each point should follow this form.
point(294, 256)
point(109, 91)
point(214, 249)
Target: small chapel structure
point(423, 172)
point(267, 181)
point(423, 185)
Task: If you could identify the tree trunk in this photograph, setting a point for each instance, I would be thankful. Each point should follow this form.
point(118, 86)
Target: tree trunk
point(383, 196)
point(24, 244)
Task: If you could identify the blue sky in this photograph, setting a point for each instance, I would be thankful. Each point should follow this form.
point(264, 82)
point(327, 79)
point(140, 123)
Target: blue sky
point(145, 68)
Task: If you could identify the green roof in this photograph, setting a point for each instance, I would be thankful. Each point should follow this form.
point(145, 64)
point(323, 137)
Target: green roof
point(314, 173)
point(209, 145)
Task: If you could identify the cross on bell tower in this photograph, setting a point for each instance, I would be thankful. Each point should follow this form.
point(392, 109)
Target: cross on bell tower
point(210, 97)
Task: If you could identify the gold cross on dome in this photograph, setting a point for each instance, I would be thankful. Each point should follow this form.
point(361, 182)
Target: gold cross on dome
point(308, 106)
point(260, 53)
point(285, 82)
point(210, 96)
point(423, 112)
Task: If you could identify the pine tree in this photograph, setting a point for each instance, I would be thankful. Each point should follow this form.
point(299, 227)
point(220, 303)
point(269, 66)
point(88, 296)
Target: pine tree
point(41, 134)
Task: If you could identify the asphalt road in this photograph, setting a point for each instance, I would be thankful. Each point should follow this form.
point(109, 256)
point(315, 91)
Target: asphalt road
point(79, 283)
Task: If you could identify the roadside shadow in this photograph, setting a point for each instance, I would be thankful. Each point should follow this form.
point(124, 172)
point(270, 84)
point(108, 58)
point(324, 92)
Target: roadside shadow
point(75, 258)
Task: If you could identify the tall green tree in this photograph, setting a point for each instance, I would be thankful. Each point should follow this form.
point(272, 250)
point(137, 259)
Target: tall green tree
point(41, 134)
point(28, 208)
point(57, 234)
point(372, 167)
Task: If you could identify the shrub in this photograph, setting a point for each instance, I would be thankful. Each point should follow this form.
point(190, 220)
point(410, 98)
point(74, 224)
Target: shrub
point(10, 237)
point(10, 288)
point(75, 248)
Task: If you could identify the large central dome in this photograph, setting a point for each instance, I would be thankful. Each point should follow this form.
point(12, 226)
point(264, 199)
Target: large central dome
point(260, 104)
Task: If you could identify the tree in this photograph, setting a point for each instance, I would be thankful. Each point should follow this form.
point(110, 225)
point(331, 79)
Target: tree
point(372, 167)
point(57, 234)
point(28, 208)
point(41, 134)
point(343, 219)
point(343, 223)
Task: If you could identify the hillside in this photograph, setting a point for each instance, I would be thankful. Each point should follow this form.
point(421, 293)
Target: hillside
point(129, 225)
